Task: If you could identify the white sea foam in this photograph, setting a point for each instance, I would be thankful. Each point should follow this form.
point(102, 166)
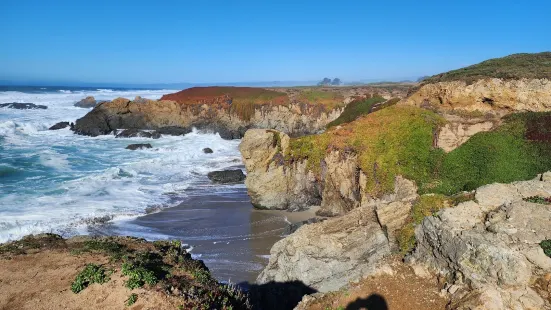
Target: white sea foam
point(62, 182)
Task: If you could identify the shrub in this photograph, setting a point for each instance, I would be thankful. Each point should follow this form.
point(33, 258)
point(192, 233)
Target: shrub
point(546, 246)
point(92, 273)
point(138, 275)
point(131, 299)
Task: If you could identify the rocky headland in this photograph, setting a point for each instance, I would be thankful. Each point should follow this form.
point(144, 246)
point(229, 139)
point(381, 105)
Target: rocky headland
point(229, 111)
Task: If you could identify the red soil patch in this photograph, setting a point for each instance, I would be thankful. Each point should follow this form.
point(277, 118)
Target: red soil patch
point(539, 128)
point(218, 95)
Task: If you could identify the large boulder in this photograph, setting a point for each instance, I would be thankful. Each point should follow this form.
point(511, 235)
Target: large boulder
point(489, 249)
point(328, 255)
point(226, 176)
point(88, 102)
point(22, 106)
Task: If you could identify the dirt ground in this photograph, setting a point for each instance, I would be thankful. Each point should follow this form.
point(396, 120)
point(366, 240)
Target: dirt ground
point(402, 290)
point(43, 281)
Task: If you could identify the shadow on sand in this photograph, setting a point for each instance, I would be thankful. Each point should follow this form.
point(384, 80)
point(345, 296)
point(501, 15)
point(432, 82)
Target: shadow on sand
point(373, 302)
point(277, 295)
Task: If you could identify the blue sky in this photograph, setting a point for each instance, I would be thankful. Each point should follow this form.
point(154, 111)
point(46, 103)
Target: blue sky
point(236, 41)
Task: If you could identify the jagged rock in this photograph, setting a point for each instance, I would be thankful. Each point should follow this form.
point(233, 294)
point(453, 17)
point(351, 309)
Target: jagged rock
point(227, 176)
point(88, 102)
point(22, 106)
point(207, 150)
point(328, 255)
point(133, 133)
point(140, 146)
point(59, 125)
point(491, 247)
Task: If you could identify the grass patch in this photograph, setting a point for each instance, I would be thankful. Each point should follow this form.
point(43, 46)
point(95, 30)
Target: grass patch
point(427, 205)
point(92, 273)
point(538, 199)
point(114, 249)
point(546, 246)
point(356, 109)
point(328, 99)
point(516, 66)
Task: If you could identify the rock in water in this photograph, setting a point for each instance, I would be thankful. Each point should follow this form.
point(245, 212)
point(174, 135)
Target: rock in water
point(134, 133)
point(227, 176)
point(22, 106)
point(207, 150)
point(88, 102)
point(59, 125)
point(140, 146)
point(174, 130)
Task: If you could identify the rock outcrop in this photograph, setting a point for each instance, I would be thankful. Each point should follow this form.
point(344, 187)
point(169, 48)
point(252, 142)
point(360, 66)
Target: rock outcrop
point(488, 249)
point(135, 133)
point(484, 95)
point(22, 106)
point(88, 102)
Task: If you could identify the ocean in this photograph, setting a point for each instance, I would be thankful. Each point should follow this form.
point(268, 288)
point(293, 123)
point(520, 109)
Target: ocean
point(60, 182)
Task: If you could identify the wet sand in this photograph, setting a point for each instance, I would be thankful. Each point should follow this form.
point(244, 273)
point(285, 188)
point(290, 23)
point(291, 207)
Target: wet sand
point(223, 229)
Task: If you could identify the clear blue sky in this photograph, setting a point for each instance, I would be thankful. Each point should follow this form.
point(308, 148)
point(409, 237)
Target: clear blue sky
point(235, 41)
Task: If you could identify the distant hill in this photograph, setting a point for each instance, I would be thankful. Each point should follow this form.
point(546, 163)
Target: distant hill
point(516, 66)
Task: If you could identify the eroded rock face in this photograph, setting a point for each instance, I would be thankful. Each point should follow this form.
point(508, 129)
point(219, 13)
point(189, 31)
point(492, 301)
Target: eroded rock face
point(328, 255)
point(489, 249)
point(486, 95)
point(458, 130)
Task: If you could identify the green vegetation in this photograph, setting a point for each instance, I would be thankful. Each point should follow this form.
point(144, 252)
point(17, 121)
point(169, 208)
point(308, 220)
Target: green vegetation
point(514, 151)
point(393, 141)
point(516, 66)
point(115, 250)
point(399, 141)
point(356, 109)
point(539, 199)
point(92, 273)
point(132, 299)
point(546, 246)
point(426, 206)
